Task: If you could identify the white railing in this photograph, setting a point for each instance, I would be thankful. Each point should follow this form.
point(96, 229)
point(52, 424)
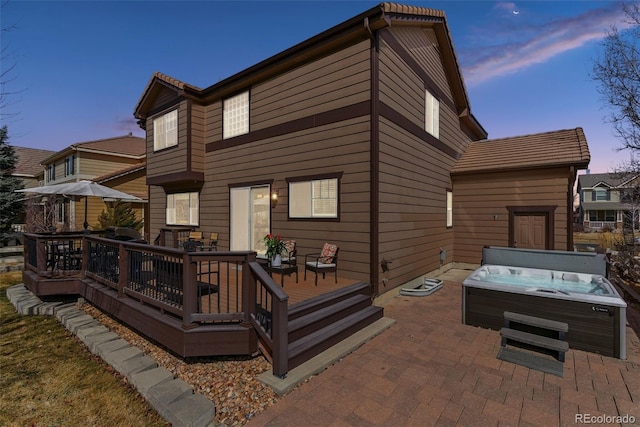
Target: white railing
point(598, 225)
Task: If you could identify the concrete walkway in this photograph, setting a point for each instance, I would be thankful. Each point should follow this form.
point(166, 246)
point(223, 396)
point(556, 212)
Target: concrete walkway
point(430, 369)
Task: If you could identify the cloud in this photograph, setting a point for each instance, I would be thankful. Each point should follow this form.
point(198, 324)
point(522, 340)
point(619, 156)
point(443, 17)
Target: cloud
point(519, 45)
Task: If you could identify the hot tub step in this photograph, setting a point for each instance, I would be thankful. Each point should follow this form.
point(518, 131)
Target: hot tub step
point(531, 361)
point(537, 340)
point(537, 322)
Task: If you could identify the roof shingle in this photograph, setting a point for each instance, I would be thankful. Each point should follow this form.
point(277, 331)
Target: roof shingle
point(29, 160)
point(555, 148)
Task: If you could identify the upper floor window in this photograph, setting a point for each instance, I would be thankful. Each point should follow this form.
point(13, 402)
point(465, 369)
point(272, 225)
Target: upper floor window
point(235, 115)
point(432, 114)
point(182, 208)
point(51, 172)
point(165, 131)
point(69, 166)
point(449, 208)
point(600, 194)
point(314, 199)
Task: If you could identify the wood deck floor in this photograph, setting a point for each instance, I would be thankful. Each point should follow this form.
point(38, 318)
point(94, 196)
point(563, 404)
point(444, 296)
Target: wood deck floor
point(300, 291)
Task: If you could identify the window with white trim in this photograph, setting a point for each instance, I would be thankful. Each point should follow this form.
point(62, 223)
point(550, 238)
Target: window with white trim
point(51, 172)
point(182, 208)
point(314, 199)
point(69, 166)
point(449, 208)
point(432, 114)
point(235, 115)
point(165, 131)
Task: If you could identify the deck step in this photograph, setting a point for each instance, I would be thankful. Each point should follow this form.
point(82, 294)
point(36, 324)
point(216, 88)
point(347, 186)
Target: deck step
point(318, 319)
point(325, 300)
point(531, 361)
point(533, 339)
point(312, 344)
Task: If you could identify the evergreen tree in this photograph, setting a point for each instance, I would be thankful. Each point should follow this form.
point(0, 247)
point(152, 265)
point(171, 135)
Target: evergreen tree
point(119, 215)
point(11, 203)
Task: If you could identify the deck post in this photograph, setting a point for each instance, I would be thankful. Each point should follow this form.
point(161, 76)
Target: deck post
point(123, 269)
point(86, 253)
point(41, 255)
point(189, 291)
point(248, 289)
point(280, 338)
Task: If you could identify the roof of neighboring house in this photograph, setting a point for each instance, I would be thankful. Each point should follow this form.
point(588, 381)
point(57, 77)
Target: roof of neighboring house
point(29, 160)
point(542, 150)
point(359, 27)
point(125, 146)
point(610, 179)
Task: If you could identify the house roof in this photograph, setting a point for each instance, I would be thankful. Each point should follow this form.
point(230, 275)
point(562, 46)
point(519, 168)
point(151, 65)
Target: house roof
point(601, 206)
point(123, 146)
point(608, 179)
point(359, 27)
point(121, 172)
point(542, 150)
point(29, 160)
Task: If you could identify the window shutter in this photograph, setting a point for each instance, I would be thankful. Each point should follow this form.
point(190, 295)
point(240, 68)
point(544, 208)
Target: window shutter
point(593, 195)
point(608, 195)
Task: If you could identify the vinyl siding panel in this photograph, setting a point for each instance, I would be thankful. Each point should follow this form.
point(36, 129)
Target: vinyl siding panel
point(198, 120)
point(338, 147)
point(157, 212)
point(172, 159)
point(92, 165)
point(414, 175)
point(478, 198)
point(335, 81)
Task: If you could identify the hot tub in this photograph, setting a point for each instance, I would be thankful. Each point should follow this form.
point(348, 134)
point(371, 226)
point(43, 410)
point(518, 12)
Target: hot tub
point(588, 303)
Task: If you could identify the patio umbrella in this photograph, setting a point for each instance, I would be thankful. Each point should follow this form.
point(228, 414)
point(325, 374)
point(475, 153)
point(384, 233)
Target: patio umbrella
point(81, 188)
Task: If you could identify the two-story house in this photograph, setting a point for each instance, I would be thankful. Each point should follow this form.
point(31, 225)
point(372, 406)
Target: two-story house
point(607, 202)
point(122, 156)
point(349, 137)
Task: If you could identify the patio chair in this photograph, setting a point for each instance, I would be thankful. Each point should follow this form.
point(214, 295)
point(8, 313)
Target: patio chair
point(289, 255)
point(195, 241)
point(212, 243)
point(322, 263)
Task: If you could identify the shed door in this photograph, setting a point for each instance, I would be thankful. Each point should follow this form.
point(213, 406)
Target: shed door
point(530, 231)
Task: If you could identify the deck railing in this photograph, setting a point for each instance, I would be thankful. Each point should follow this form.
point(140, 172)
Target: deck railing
point(197, 288)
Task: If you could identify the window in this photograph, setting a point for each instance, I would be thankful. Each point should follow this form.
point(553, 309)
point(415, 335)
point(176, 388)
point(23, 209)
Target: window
point(51, 172)
point(60, 211)
point(432, 115)
point(236, 115)
point(608, 215)
point(314, 199)
point(449, 208)
point(182, 208)
point(165, 131)
point(69, 166)
point(600, 194)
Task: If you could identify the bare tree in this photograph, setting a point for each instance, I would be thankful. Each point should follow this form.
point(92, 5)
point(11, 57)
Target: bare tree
point(618, 74)
point(7, 72)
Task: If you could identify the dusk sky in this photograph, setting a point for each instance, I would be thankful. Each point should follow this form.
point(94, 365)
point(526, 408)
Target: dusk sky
point(81, 66)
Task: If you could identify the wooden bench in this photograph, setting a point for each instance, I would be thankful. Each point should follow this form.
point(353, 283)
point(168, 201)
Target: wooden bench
point(556, 344)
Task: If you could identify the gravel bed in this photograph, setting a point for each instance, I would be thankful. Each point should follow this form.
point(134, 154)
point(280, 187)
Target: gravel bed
point(231, 383)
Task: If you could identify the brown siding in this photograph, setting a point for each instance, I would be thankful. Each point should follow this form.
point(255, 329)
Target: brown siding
point(172, 159)
point(414, 175)
point(329, 83)
point(197, 137)
point(478, 198)
point(338, 80)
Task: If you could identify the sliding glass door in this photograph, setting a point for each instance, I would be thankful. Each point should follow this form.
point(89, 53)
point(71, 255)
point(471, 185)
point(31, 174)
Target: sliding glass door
point(250, 217)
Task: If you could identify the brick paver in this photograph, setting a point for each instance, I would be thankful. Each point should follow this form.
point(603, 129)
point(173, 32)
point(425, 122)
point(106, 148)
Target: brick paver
point(430, 370)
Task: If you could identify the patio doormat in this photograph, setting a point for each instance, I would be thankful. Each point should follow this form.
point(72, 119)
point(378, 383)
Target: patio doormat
point(532, 361)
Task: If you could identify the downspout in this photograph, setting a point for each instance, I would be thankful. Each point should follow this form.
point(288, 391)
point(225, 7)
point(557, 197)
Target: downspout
point(572, 181)
point(374, 163)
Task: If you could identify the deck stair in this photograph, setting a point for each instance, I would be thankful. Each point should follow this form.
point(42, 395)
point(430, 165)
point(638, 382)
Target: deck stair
point(537, 335)
point(321, 322)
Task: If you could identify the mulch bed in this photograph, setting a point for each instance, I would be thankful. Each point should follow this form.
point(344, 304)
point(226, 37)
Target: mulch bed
point(231, 383)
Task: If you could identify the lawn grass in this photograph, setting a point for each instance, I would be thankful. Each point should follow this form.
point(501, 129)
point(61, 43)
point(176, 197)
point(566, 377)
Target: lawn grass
point(604, 239)
point(49, 378)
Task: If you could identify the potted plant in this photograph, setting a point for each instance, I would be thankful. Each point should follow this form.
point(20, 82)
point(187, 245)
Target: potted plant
point(275, 246)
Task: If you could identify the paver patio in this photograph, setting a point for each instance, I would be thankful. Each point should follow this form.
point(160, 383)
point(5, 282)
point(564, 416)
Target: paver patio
point(430, 369)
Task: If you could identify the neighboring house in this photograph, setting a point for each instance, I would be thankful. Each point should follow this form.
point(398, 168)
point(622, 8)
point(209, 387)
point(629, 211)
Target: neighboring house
point(88, 161)
point(356, 132)
point(28, 167)
point(605, 200)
